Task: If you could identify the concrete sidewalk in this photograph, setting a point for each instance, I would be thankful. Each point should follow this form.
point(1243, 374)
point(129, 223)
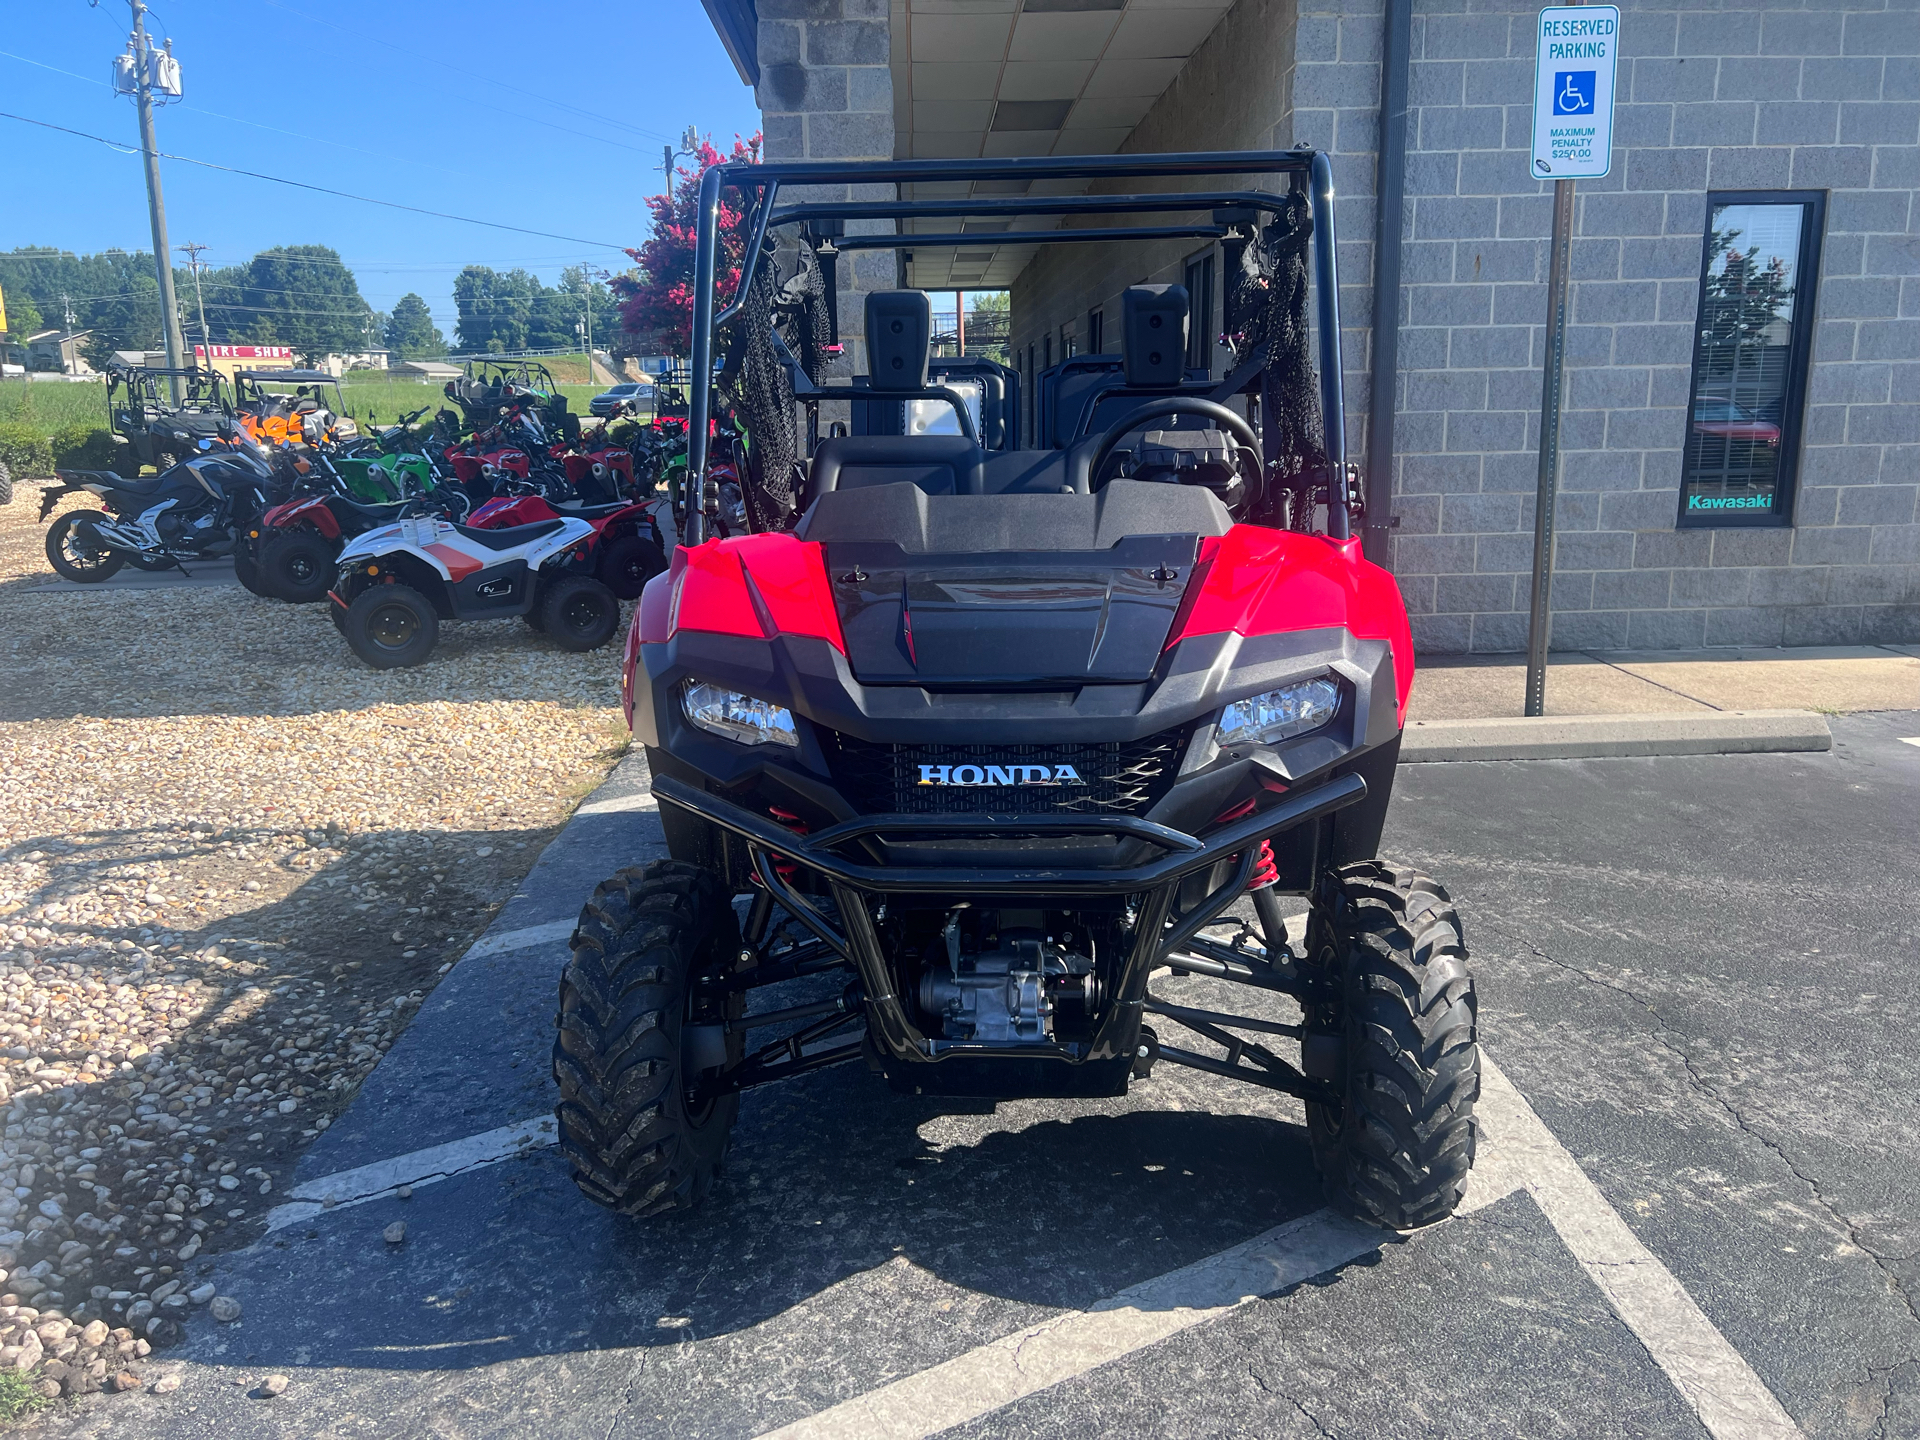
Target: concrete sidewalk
point(1834, 680)
point(1652, 703)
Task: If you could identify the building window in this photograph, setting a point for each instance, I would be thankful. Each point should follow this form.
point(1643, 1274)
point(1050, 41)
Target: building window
point(1096, 331)
point(1200, 313)
point(1750, 352)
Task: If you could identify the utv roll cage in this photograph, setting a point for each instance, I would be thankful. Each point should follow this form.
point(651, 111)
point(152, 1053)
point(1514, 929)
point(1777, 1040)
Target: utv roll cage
point(1240, 218)
point(140, 408)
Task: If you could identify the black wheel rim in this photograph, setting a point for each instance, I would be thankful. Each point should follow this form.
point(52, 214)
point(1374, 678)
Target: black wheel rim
point(582, 613)
point(80, 554)
point(391, 626)
point(300, 568)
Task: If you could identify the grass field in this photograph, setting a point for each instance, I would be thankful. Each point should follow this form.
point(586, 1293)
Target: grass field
point(369, 395)
point(52, 405)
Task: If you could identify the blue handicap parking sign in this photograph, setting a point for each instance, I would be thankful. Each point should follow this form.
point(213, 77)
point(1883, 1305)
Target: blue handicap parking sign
point(1573, 92)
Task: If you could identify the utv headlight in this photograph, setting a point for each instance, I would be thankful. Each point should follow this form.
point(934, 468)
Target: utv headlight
point(736, 716)
point(1277, 714)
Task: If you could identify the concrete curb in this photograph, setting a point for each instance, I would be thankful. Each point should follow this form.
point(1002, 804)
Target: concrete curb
point(1586, 737)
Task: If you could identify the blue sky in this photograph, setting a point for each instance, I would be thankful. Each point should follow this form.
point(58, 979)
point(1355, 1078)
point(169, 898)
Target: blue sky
point(547, 116)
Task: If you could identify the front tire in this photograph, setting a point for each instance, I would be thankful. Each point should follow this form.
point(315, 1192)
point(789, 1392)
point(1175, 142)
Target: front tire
point(641, 1141)
point(579, 614)
point(1398, 1043)
point(75, 558)
point(297, 565)
point(390, 626)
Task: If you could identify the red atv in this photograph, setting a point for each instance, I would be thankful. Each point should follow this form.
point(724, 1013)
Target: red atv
point(994, 760)
point(627, 552)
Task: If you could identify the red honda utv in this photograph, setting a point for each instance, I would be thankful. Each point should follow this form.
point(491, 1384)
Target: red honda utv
point(975, 737)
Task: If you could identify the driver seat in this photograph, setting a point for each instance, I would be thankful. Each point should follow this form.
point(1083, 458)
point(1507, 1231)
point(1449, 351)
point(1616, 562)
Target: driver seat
point(899, 343)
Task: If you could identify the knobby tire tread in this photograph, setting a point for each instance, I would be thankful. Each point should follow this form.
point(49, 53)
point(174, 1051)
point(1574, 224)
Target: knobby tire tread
point(623, 1125)
point(1401, 1153)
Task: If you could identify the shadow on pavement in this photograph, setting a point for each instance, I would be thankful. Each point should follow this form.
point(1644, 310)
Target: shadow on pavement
point(832, 1181)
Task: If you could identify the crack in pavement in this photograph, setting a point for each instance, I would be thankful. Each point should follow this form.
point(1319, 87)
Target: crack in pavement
point(1664, 1029)
point(1254, 1374)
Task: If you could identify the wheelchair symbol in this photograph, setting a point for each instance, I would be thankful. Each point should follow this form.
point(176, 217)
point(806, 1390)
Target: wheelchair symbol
point(1573, 92)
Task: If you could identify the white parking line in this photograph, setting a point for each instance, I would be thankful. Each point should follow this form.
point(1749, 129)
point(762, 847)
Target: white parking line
point(347, 1188)
point(1731, 1401)
point(620, 804)
point(1030, 1360)
point(1910, 739)
point(524, 939)
point(1516, 1151)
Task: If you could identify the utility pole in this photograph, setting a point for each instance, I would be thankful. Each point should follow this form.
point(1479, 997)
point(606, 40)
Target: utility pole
point(200, 304)
point(156, 203)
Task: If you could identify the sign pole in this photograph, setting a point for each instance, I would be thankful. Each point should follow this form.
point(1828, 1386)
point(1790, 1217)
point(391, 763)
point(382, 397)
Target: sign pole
point(1540, 617)
point(1575, 51)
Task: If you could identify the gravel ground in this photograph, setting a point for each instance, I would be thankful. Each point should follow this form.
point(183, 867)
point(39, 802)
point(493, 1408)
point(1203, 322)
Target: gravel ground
point(233, 861)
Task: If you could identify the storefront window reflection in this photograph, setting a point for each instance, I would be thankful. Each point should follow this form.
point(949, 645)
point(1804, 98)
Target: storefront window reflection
point(1750, 360)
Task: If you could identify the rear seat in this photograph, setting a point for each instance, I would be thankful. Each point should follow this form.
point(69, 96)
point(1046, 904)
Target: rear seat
point(899, 329)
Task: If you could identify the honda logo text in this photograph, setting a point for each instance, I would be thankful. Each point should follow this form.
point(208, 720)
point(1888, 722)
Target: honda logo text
point(1000, 775)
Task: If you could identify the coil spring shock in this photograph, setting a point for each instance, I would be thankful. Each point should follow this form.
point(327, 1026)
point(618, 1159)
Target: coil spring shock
point(786, 869)
point(1266, 874)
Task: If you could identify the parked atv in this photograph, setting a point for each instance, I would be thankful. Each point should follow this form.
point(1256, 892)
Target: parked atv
point(1008, 754)
point(628, 550)
point(397, 583)
point(296, 545)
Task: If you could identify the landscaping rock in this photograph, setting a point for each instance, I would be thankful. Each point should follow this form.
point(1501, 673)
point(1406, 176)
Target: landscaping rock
point(225, 1309)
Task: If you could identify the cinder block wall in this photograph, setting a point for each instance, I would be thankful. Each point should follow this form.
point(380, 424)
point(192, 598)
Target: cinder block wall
point(826, 93)
point(1740, 97)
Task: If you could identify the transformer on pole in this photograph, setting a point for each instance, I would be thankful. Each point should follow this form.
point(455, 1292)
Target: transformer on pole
point(144, 73)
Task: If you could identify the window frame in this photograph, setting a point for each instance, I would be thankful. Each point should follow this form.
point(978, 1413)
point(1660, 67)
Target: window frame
point(1793, 401)
point(1200, 301)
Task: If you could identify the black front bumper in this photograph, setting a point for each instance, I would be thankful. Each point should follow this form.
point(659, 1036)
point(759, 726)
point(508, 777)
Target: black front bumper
point(1234, 849)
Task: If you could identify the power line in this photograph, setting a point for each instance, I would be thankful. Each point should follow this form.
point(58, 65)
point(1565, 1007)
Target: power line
point(303, 185)
point(319, 139)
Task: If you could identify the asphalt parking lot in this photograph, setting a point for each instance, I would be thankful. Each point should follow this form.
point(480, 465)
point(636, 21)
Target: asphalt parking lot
point(1696, 973)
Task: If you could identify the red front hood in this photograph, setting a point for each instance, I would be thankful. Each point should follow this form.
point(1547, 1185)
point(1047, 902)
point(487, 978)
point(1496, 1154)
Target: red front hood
point(1255, 581)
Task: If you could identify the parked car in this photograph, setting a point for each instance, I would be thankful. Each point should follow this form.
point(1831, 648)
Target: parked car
point(1726, 419)
point(609, 401)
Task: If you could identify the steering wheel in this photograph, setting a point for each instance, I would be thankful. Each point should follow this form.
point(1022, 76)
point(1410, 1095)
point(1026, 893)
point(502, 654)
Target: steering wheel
point(1084, 471)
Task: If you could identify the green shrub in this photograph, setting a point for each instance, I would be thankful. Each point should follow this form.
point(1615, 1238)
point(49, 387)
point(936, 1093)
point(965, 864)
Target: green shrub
point(24, 450)
point(80, 446)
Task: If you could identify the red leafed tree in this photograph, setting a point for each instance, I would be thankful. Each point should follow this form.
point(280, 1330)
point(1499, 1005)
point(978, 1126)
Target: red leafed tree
point(656, 305)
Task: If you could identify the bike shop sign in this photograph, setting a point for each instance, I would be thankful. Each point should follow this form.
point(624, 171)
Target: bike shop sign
point(1574, 51)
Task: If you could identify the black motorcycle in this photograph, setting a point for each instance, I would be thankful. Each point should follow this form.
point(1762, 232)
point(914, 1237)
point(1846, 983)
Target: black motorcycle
point(192, 511)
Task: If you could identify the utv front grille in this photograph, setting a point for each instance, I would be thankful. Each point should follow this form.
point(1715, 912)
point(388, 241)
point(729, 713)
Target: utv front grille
point(1116, 778)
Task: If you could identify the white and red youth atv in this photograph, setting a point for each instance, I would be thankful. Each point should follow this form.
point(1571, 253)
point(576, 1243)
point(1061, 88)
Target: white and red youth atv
point(398, 582)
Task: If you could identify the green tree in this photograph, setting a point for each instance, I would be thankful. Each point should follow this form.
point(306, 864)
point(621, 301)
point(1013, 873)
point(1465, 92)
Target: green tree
point(303, 296)
point(22, 316)
point(410, 331)
point(495, 308)
point(113, 294)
